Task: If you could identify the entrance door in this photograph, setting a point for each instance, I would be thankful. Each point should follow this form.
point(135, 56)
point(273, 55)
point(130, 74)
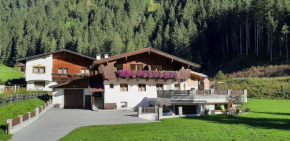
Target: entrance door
point(99, 100)
point(88, 102)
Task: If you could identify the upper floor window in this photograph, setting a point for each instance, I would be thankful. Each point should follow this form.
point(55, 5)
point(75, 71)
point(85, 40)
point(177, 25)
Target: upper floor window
point(159, 87)
point(156, 67)
point(83, 70)
point(62, 70)
point(111, 86)
point(38, 69)
point(142, 87)
point(123, 87)
point(136, 67)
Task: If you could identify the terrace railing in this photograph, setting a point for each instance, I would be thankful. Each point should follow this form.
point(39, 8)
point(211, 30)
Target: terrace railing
point(189, 94)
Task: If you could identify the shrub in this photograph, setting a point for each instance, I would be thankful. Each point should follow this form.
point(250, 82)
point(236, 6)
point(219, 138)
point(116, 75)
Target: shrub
point(221, 76)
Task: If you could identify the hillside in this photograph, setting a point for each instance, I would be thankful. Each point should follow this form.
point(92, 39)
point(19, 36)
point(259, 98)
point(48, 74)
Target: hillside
point(8, 73)
point(209, 32)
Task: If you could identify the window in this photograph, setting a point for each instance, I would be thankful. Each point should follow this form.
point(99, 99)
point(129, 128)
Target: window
point(156, 67)
point(119, 66)
point(87, 71)
point(38, 69)
point(65, 59)
point(111, 86)
point(39, 83)
point(142, 87)
point(124, 104)
point(123, 87)
point(59, 70)
point(159, 87)
point(73, 59)
point(65, 71)
point(136, 67)
point(176, 86)
point(83, 70)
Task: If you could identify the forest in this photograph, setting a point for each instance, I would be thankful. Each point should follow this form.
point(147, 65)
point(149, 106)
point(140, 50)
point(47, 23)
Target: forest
point(208, 32)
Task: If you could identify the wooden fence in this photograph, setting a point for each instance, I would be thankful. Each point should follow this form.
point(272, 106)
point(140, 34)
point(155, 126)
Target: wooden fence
point(148, 109)
point(22, 97)
point(20, 122)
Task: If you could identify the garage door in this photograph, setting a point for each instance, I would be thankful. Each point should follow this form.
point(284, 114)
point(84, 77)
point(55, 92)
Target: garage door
point(73, 98)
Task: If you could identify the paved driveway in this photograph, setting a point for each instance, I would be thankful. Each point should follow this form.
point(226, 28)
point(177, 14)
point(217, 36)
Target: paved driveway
point(56, 123)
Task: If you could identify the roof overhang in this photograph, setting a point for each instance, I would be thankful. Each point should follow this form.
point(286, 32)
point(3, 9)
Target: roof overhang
point(145, 50)
point(23, 60)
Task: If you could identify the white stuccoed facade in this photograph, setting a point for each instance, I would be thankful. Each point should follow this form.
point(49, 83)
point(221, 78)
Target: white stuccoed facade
point(31, 77)
point(133, 96)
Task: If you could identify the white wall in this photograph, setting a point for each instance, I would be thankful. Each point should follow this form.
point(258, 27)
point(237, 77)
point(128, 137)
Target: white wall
point(43, 61)
point(58, 97)
point(133, 97)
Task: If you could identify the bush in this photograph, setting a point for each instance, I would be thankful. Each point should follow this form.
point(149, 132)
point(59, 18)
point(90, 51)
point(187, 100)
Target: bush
point(221, 76)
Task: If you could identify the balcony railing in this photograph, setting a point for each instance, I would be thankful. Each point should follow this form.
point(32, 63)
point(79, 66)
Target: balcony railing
point(143, 74)
point(69, 76)
point(190, 94)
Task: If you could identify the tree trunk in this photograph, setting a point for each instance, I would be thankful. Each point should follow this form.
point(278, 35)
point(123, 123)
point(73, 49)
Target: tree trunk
point(241, 48)
point(268, 42)
point(247, 34)
point(271, 49)
point(287, 48)
point(255, 36)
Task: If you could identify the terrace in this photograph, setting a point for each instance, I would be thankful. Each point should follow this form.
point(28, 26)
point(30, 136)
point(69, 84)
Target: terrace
point(200, 96)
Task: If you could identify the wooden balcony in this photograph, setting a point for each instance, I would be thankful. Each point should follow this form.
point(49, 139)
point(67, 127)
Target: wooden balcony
point(110, 71)
point(66, 77)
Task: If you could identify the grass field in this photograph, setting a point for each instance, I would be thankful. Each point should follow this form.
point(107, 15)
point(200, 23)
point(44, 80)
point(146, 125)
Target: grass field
point(268, 120)
point(7, 73)
point(13, 110)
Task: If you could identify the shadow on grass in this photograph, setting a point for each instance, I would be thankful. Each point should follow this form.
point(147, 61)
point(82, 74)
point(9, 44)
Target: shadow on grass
point(267, 123)
point(282, 114)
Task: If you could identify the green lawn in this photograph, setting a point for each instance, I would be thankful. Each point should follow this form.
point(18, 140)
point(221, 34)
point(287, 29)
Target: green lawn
point(13, 110)
point(7, 73)
point(268, 120)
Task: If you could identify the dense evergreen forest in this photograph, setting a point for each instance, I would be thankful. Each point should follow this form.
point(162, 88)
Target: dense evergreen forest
point(209, 32)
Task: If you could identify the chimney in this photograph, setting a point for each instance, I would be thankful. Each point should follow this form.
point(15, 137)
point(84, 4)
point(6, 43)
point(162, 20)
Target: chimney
point(106, 55)
point(98, 57)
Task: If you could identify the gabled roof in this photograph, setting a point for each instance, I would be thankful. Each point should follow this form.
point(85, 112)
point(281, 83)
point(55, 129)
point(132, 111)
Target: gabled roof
point(45, 54)
point(149, 49)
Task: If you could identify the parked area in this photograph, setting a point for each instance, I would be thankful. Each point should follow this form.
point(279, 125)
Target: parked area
point(56, 123)
point(268, 120)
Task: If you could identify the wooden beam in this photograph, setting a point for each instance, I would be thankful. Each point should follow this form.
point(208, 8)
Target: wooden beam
point(148, 52)
point(171, 60)
point(126, 58)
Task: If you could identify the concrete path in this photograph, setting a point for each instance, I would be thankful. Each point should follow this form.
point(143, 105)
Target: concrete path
point(56, 123)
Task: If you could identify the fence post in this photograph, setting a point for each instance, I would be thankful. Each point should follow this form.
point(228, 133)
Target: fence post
point(160, 112)
point(180, 110)
point(229, 92)
point(156, 109)
point(139, 110)
point(21, 118)
point(8, 125)
point(29, 115)
point(37, 112)
point(212, 91)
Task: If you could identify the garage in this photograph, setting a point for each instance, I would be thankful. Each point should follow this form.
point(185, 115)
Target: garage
point(73, 98)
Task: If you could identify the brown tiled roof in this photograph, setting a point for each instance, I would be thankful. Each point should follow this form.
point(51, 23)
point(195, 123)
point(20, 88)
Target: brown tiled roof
point(45, 54)
point(149, 49)
point(20, 65)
